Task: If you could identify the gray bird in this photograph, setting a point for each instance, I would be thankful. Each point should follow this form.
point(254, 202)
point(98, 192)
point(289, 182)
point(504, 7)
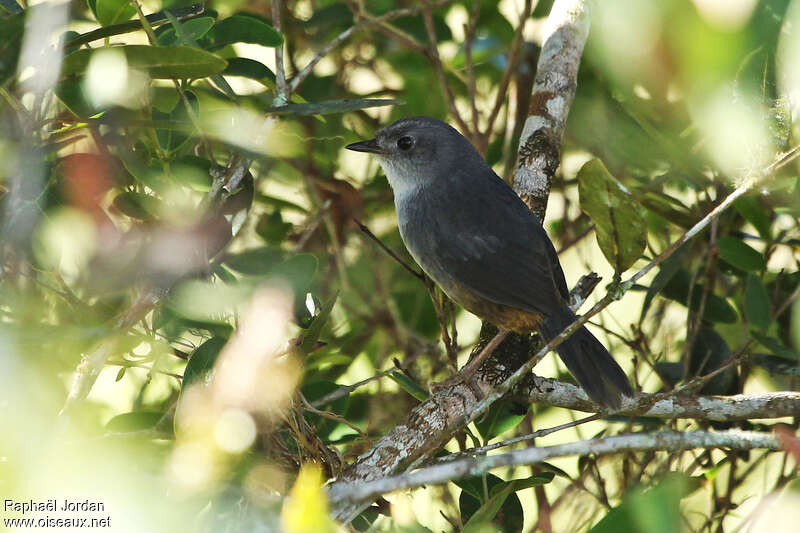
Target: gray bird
point(472, 234)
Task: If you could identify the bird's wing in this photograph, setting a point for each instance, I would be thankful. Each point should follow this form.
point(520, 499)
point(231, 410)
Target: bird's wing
point(498, 249)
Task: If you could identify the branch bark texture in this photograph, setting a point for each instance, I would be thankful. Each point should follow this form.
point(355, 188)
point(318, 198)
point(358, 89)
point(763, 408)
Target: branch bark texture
point(661, 441)
point(717, 408)
point(553, 91)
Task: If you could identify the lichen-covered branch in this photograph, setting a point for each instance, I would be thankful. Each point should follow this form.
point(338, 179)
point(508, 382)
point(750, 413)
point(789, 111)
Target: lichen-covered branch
point(553, 91)
point(718, 408)
point(671, 441)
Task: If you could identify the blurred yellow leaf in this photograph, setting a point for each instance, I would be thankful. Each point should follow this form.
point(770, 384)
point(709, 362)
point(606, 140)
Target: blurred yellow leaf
point(306, 508)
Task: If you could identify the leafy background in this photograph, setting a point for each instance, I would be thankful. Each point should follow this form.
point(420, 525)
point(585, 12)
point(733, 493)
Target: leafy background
point(170, 209)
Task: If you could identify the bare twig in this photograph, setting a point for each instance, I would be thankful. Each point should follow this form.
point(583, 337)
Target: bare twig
point(417, 274)
point(427, 17)
point(512, 61)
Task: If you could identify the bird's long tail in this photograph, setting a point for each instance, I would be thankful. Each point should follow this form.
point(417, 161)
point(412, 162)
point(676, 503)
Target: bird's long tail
point(588, 360)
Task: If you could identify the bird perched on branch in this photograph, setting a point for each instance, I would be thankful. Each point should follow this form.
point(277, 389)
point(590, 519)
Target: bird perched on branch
point(472, 234)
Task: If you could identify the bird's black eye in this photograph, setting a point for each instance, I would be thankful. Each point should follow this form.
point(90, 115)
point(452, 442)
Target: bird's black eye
point(405, 143)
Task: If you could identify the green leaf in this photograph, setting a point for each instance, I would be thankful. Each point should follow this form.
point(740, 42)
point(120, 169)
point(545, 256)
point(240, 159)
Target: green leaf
point(500, 418)
point(113, 11)
point(669, 268)
point(70, 92)
point(173, 139)
point(620, 227)
point(272, 228)
point(193, 172)
point(751, 210)
point(757, 307)
point(315, 329)
point(243, 28)
point(176, 62)
point(408, 385)
point(501, 499)
point(299, 272)
point(134, 421)
point(202, 361)
point(250, 68)
point(738, 254)
point(332, 106)
point(255, 261)
point(194, 28)
point(486, 512)
point(137, 205)
point(655, 511)
point(716, 309)
point(11, 29)
point(775, 346)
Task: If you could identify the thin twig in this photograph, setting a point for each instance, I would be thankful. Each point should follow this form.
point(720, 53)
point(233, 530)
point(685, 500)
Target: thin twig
point(427, 18)
point(512, 61)
point(417, 274)
point(469, 39)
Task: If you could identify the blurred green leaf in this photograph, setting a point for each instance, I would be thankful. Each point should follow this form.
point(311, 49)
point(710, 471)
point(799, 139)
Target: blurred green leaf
point(202, 361)
point(113, 11)
point(243, 28)
point(11, 30)
point(299, 272)
point(194, 28)
point(250, 68)
point(716, 309)
point(332, 106)
point(751, 210)
point(500, 418)
point(502, 500)
point(709, 352)
point(70, 92)
point(134, 421)
point(757, 306)
point(272, 228)
point(775, 346)
point(408, 385)
point(315, 329)
point(177, 62)
point(137, 205)
point(653, 510)
point(621, 229)
point(255, 261)
point(738, 254)
point(669, 268)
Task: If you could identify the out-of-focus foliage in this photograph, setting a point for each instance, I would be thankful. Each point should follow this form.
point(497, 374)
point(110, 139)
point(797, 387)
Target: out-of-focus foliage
point(181, 274)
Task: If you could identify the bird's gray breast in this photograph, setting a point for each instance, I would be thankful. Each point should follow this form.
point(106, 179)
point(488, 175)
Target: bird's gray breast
point(441, 245)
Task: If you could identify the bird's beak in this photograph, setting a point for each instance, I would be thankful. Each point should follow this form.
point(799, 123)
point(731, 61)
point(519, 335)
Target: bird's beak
point(370, 146)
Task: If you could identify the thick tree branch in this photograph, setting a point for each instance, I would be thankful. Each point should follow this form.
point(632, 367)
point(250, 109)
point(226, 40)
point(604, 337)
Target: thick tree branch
point(718, 408)
point(553, 92)
point(473, 466)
